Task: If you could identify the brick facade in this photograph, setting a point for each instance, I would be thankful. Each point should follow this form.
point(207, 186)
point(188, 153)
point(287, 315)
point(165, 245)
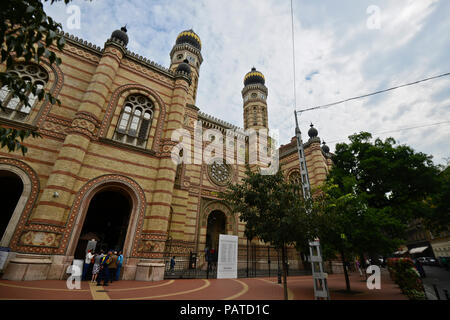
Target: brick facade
point(79, 156)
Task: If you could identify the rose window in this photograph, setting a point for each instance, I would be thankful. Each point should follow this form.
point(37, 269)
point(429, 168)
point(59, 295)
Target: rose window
point(220, 173)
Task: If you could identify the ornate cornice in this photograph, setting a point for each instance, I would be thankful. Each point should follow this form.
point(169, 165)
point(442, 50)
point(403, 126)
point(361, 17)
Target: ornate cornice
point(257, 86)
point(127, 53)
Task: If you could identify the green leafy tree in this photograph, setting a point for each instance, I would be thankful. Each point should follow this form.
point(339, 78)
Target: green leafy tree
point(28, 35)
point(438, 218)
point(273, 210)
point(372, 192)
point(391, 177)
point(347, 226)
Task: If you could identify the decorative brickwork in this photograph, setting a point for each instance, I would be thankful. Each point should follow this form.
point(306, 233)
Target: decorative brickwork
point(78, 155)
point(80, 206)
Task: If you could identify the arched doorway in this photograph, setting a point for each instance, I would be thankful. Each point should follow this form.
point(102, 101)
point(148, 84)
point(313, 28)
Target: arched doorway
point(11, 189)
point(217, 222)
point(106, 221)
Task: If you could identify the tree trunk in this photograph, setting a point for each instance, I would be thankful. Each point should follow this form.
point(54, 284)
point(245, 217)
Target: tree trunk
point(344, 264)
point(283, 259)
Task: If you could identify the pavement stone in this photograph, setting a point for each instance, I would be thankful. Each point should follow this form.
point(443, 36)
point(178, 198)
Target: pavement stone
point(299, 288)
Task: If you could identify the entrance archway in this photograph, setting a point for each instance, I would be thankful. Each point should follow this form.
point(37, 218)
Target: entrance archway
point(107, 220)
point(216, 225)
point(11, 189)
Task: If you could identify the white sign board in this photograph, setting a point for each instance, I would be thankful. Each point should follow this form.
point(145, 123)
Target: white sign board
point(228, 257)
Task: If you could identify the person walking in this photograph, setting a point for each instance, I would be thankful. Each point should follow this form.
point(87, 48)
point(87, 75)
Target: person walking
point(87, 262)
point(96, 269)
point(119, 265)
point(113, 266)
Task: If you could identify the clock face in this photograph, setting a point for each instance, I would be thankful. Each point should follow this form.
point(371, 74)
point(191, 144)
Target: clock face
point(191, 59)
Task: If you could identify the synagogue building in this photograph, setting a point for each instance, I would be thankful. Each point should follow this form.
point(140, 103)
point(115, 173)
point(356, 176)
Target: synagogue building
point(103, 167)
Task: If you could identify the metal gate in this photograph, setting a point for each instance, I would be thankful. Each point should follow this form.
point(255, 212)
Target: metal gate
point(253, 261)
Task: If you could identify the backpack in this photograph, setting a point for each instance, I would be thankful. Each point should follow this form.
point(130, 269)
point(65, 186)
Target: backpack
point(108, 261)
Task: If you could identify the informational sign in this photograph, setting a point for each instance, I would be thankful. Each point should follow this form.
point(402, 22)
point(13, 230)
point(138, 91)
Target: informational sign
point(228, 257)
point(3, 256)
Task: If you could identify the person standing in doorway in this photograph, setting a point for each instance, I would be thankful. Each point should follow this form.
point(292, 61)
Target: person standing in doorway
point(87, 262)
point(212, 257)
point(119, 265)
point(104, 270)
point(96, 269)
point(113, 266)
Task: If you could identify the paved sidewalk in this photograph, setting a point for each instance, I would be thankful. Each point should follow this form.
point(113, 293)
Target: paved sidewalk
point(299, 288)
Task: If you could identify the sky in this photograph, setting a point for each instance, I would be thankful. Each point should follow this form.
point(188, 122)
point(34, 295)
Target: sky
point(343, 49)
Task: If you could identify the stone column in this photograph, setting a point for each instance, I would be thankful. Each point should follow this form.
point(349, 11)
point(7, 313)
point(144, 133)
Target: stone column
point(162, 195)
point(54, 208)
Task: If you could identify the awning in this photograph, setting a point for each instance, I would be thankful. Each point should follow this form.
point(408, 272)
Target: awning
point(418, 250)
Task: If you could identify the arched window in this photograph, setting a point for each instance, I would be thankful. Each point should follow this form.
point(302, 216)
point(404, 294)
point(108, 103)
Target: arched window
point(14, 108)
point(295, 177)
point(135, 122)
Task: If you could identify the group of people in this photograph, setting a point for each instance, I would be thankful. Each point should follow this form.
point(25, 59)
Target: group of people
point(103, 267)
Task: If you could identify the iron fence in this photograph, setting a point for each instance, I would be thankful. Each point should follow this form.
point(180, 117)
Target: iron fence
point(253, 261)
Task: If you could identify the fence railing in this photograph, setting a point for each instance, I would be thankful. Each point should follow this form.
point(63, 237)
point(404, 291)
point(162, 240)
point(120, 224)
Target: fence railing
point(257, 262)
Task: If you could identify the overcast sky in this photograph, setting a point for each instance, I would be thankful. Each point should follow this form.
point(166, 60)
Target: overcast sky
point(343, 49)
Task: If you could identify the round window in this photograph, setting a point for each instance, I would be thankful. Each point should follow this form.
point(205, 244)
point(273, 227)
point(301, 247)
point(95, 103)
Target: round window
point(219, 173)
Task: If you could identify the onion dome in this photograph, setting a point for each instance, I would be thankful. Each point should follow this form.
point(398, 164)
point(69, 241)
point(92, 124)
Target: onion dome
point(312, 132)
point(325, 148)
point(184, 67)
point(189, 37)
point(254, 77)
point(120, 35)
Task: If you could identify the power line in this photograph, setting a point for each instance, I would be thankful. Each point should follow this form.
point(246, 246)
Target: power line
point(325, 106)
point(403, 129)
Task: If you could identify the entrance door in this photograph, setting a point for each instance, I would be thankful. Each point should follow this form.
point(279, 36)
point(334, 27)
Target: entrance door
point(216, 226)
point(106, 221)
point(11, 188)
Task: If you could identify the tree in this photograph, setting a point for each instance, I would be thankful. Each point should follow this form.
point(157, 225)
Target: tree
point(372, 192)
point(438, 218)
point(273, 210)
point(29, 35)
point(347, 226)
point(391, 177)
